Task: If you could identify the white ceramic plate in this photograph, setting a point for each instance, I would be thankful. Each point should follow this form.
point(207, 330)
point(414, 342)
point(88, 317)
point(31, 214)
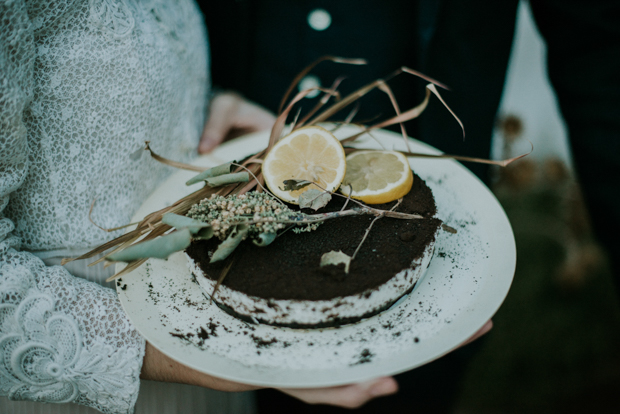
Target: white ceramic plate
point(464, 286)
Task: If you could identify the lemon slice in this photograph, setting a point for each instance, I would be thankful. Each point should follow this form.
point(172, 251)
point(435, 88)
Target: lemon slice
point(309, 153)
point(377, 177)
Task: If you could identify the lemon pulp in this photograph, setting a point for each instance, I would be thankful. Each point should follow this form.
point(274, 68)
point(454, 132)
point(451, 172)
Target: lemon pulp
point(309, 153)
point(377, 177)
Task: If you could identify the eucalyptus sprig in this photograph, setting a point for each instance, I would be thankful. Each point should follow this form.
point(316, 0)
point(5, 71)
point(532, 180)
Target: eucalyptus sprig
point(235, 218)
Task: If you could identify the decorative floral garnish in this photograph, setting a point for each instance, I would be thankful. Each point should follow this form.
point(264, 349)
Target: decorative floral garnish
point(226, 207)
point(262, 212)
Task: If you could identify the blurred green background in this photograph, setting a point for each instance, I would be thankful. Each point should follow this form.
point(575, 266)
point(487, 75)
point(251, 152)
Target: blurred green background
point(554, 346)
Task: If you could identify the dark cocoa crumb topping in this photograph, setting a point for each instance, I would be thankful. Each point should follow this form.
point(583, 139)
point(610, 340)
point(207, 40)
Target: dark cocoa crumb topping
point(289, 267)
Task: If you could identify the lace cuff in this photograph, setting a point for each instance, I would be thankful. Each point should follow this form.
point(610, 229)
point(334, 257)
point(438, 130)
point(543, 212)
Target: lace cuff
point(64, 339)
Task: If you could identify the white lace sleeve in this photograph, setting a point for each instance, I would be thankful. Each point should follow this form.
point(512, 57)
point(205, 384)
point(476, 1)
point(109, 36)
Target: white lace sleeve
point(62, 339)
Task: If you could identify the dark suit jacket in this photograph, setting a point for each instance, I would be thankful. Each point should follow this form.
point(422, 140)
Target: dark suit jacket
point(259, 46)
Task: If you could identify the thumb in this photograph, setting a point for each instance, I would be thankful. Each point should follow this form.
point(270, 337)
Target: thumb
point(218, 125)
point(213, 133)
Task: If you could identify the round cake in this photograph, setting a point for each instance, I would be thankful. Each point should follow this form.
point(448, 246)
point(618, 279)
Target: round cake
point(283, 283)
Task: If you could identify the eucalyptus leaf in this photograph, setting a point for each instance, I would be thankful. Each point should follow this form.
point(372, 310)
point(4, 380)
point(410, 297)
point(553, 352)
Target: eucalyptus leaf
point(160, 248)
point(292, 185)
point(204, 234)
point(240, 177)
point(336, 258)
point(211, 172)
point(177, 221)
point(264, 239)
point(314, 199)
point(230, 244)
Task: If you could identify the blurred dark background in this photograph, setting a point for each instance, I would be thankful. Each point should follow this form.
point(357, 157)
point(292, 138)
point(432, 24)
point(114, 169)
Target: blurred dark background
point(556, 341)
point(554, 346)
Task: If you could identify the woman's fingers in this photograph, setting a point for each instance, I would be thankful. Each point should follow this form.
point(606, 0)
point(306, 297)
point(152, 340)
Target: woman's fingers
point(232, 115)
point(485, 328)
point(347, 396)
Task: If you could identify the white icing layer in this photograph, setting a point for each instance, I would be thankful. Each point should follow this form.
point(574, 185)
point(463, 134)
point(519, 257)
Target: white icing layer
point(309, 313)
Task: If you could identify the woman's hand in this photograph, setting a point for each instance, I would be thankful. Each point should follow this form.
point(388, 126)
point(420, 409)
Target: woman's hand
point(231, 115)
point(158, 367)
point(356, 395)
point(485, 328)
point(347, 396)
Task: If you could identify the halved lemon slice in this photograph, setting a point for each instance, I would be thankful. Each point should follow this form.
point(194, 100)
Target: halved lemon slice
point(377, 177)
point(309, 153)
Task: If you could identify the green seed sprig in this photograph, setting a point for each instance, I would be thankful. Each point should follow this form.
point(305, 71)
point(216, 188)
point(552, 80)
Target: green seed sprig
point(262, 212)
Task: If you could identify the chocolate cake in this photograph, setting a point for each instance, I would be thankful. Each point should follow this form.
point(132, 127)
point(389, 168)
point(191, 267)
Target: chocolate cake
point(283, 283)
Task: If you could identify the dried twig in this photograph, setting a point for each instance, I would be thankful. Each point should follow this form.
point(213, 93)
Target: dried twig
point(223, 274)
point(259, 184)
point(90, 212)
point(171, 163)
point(348, 197)
point(359, 246)
point(311, 66)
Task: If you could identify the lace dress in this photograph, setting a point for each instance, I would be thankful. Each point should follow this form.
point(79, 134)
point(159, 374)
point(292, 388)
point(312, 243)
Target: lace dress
point(83, 83)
